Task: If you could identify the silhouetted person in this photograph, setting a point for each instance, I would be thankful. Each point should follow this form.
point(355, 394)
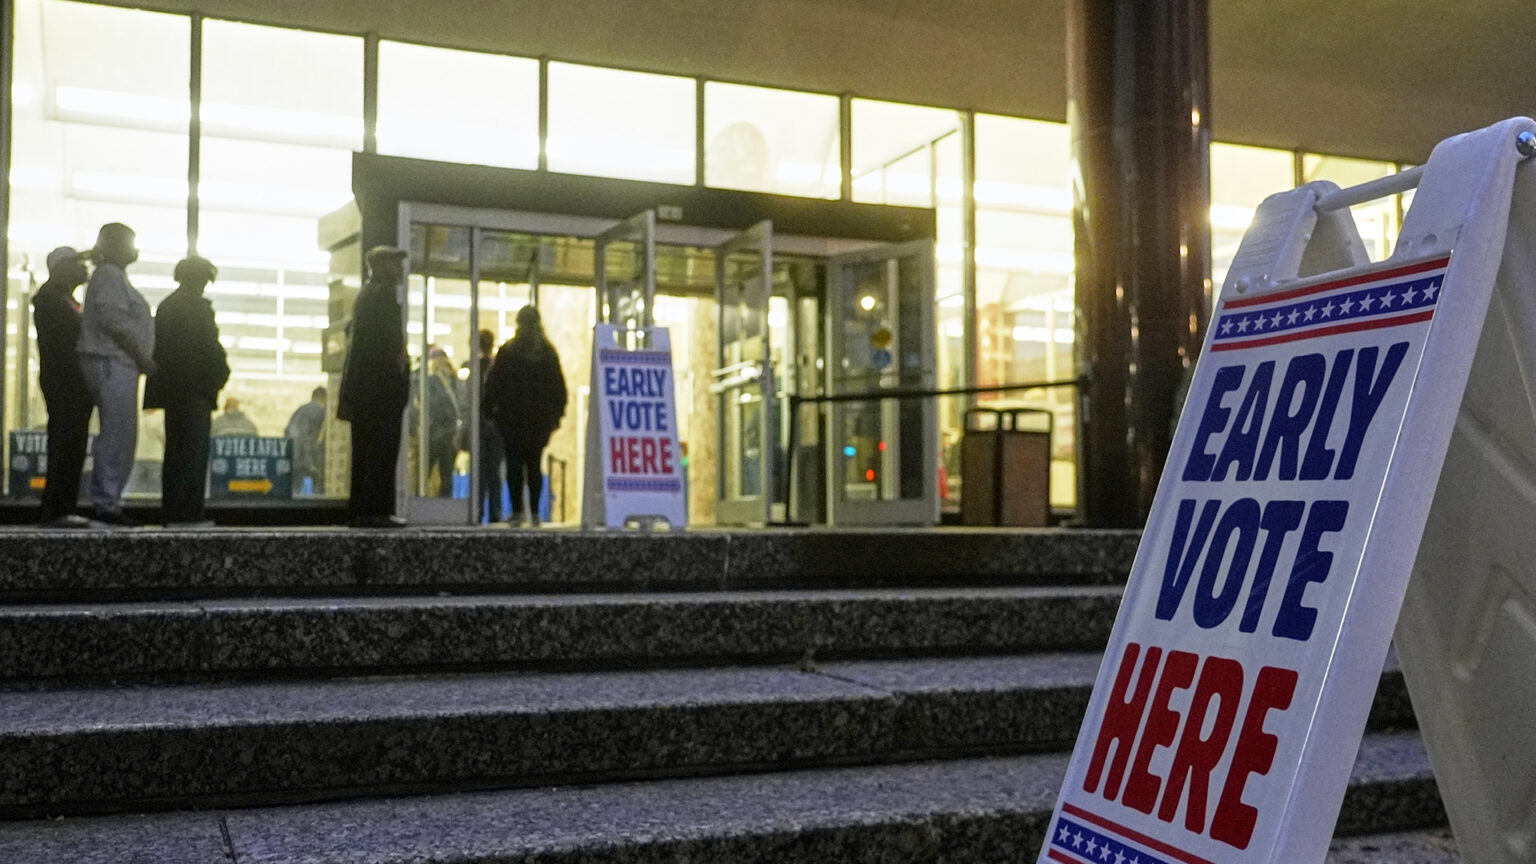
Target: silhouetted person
point(57, 317)
point(190, 370)
point(493, 454)
point(306, 429)
point(526, 394)
point(442, 419)
point(233, 421)
point(117, 344)
point(375, 387)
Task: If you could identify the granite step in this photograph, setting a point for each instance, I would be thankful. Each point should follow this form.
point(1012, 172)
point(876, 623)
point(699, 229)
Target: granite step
point(1428, 846)
point(979, 811)
point(315, 636)
point(161, 564)
point(174, 746)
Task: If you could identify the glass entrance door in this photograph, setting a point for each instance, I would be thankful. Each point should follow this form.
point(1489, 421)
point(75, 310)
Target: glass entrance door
point(625, 266)
point(882, 455)
point(746, 403)
point(441, 427)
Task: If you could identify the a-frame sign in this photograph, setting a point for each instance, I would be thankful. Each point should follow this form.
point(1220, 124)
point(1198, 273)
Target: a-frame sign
point(1330, 410)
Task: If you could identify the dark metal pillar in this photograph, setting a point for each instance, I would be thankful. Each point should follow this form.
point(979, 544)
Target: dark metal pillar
point(1138, 106)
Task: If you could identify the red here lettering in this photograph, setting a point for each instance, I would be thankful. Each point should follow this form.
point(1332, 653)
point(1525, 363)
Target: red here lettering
point(1122, 717)
point(632, 455)
point(666, 457)
point(616, 455)
point(1221, 681)
point(1162, 725)
point(1234, 820)
point(648, 455)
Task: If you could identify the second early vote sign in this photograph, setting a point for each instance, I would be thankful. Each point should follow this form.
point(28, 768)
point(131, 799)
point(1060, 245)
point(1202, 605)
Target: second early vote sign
point(633, 395)
point(1249, 561)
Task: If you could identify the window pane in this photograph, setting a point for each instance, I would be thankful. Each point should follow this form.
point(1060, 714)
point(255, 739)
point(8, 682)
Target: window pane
point(890, 147)
point(768, 140)
point(613, 123)
point(1024, 265)
point(99, 135)
point(1376, 220)
point(282, 113)
point(1241, 178)
point(458, 106)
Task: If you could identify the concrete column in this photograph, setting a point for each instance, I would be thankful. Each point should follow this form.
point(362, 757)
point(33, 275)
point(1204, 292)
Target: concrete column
point(1138, 106)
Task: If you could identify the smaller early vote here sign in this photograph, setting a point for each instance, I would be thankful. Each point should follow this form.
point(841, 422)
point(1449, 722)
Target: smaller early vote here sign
point(638, 444)
point(1204, 709)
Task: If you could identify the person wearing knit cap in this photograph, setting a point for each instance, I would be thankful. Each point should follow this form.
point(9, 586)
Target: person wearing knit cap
point(56, 314)
point(190, 369)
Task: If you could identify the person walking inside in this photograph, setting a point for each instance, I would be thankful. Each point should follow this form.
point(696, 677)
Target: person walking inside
point(306, 429)
point(493, 453)
point(56, 315)
point(375, 388)
point(117, 345)
point(190, 370)
point(526, 394)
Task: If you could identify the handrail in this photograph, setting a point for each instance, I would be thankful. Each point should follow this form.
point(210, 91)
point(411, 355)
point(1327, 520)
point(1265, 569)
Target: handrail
point(549, 474)
point(795, 401)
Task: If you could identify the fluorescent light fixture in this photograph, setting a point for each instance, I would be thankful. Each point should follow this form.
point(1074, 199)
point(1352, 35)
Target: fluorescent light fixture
point(33, 177)
point(134, 187)
point(953, 301)
point(116, 104)
point(282, 122)
point(998, 193)
point(799, 173)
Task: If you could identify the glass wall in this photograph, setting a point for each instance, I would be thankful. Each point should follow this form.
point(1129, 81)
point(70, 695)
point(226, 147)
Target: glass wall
point(1377, 220)
point(1024, 266)
point(766, 140)
point(99, 135)
point(281, 114)
point(101, 109)
point(614, 123)
point(458, 106)
point(1241, 178)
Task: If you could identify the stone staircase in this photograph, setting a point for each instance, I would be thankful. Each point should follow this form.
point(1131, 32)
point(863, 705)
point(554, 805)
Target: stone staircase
point(332, 697)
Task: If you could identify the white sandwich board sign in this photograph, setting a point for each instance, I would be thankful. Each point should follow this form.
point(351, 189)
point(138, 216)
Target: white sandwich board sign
point(634, 469)
point(1234, 691)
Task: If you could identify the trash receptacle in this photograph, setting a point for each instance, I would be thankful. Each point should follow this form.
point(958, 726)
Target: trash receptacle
point(1005, 467)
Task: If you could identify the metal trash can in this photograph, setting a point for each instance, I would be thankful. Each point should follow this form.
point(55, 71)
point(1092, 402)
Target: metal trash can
point(1005, 467)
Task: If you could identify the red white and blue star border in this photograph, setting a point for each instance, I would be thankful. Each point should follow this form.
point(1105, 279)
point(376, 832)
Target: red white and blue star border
point(1386, 298)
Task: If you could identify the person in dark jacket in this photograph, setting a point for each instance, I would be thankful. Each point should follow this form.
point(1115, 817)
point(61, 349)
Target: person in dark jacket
point(190, 370)
point(493, 451)
point(526, 394)
point(375, 388)
point(56, 314)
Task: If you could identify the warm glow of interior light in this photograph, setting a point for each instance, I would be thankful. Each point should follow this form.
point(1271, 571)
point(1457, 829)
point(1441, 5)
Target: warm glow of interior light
point(1229, 217)
point(1002, 194)
point(92, 102)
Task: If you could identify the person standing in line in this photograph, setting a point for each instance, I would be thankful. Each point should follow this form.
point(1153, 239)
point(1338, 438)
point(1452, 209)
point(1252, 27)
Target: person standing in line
point(442, 419)
point(233, 421)
point(190, 370)
point(56, 315)
point(306, 429)
point(525, 392)
point(117, 345)
point(375, 388)
point(493, 454)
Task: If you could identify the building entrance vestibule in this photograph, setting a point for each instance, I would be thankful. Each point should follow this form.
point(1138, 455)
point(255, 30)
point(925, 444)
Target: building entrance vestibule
point(752, 288)
point(749, 328)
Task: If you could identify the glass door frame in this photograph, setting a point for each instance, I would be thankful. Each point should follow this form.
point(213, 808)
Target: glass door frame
point(639, 229)
point(431, 511)
point(729, 381)
point(922, 510)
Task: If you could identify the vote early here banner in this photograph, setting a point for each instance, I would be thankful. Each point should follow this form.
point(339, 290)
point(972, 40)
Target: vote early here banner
point(1206, 702)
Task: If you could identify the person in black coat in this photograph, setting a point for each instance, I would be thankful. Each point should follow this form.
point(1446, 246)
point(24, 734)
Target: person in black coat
point(56, 314)
point(190, 370)
point(375, 388)
point(525, 392)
